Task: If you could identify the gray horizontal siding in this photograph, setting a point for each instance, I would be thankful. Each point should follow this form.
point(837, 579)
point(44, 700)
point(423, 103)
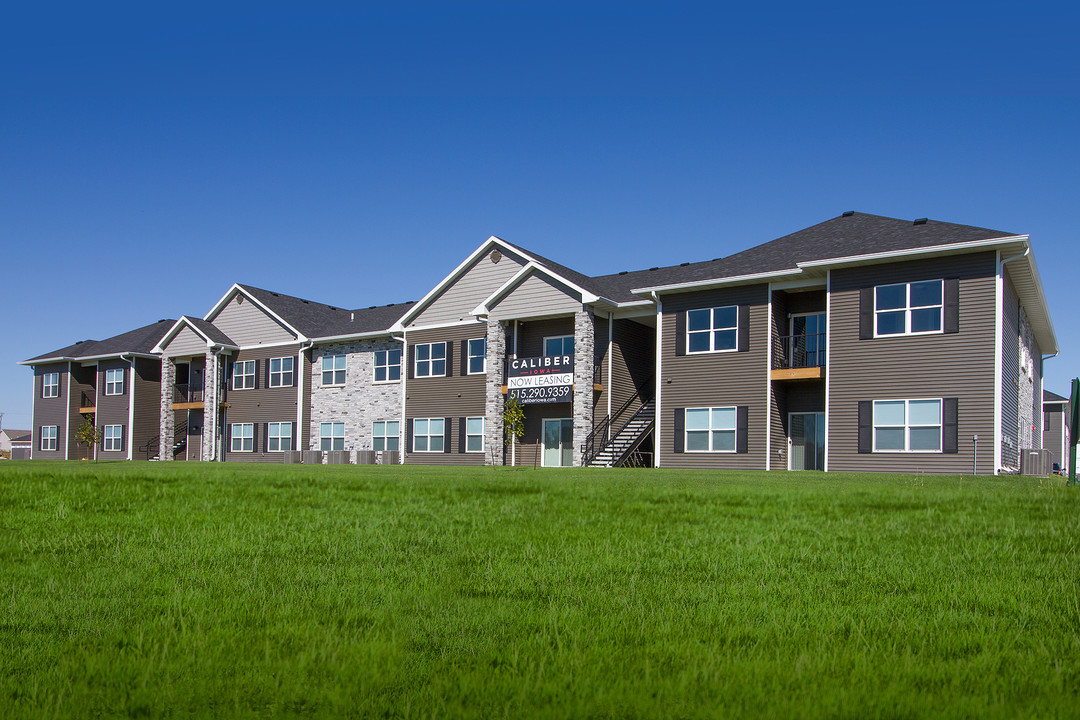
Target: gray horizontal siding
point(1010, 377)
point(147, 398)
point(537, 296)
point(185, 343)
point(477, 282)
point(247, 324)
point(52, 411)
point(959, 365)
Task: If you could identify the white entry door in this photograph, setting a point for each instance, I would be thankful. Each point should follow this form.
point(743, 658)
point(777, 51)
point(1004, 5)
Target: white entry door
point(806, 441)
point(558, 443)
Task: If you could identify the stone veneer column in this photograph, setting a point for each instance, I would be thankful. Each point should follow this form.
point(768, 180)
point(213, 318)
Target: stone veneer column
point(167, 424)
point(494, 400)
point(584, 352)
point(211, 400)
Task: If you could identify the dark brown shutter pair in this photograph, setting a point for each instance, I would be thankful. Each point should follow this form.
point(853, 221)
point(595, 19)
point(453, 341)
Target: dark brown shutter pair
point(742, 429)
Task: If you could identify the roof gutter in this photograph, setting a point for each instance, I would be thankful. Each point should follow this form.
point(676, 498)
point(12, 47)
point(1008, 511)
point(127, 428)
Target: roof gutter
point(716, 282)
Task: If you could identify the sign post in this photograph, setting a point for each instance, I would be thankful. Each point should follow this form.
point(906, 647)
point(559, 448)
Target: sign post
point(1074, 427)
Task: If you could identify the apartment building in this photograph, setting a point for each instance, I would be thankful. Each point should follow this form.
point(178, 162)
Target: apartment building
point(1056, 437)
point(863, 343)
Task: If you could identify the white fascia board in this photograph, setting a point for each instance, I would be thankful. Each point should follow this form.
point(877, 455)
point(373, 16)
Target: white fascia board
point(159, 349)
point(718, 282)
point(351, 336)
point(871, 258)
point(115, 355)
point(529, 268)
point(236, 287)
point(1038, 302)
point(44, 361)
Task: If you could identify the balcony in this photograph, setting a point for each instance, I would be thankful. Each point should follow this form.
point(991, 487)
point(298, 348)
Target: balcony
point(88, 404)
point(799, 357)
point(187, 397)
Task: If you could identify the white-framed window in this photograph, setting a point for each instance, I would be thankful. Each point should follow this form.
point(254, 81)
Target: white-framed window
point(113, 437)
point(243, 437)
point(913, 308)
point(279, 436)
point(50, 385)
point(386, 435)
point(712, 329)
point(281, 372)
point(114, 381)
point(710, 429)
point(430, 360)
point(243, 375)
point(429, 434)
point(333, 370)
point(477, 356)
point(474, 434)
point(49, 435)
point(388, 365)
point(907, 425)
point(332, 436)
point(561, 345)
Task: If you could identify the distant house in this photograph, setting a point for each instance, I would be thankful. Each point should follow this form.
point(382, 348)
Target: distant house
point(16, 442)
point(1056, 427)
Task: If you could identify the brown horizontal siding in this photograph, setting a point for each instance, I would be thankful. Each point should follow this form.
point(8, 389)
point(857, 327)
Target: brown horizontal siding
point(778, 447)
point(531, 333)
point(454, 396)
point(716, 379)
point(261, 405)
point(307, 366)
point(633, 369)
point(113, 409)
point(52, 411)
point(82, 382)
point(1010, 376)
point(959, 365)
point(528, 451)
point(147, 398)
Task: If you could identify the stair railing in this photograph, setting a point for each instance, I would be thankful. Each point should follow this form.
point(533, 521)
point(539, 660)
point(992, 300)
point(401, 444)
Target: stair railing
point(154, 443)
point(602, 435)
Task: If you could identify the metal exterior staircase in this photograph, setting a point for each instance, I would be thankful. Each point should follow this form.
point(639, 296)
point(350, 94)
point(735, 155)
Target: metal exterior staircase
point(179, 443)
point(628, 438)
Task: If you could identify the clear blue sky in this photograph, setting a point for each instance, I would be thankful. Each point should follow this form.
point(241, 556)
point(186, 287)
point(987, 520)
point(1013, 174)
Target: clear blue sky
point(151, 155)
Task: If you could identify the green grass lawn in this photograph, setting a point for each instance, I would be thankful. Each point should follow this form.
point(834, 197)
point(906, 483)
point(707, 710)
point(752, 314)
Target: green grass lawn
point(172, 589)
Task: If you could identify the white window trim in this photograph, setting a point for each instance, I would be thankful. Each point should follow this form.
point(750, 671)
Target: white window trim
point(55, 386)
point(543, 434)
point(53, 437)
point(558, 337)
point(233, 437)
point(469, 356)
point(375, 366)
point(483, 431)
point(385, 437)
point(120, 382)
point(711, 331)
point(332, 437)
point(280, 437)
point(709, 431)
point(907, 311)
point(282, 372)
point(333, 371)
point(236, 375)
point(417, 360)
point(907, 427)
point(441, 436)
point(105, 438)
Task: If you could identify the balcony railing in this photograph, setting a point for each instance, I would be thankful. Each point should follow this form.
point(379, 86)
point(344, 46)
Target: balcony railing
point(799, 351)
point(88, 400)
point(187, 394)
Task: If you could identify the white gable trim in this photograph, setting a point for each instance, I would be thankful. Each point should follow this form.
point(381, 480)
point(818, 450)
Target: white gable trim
point(530, 267)
point(237, 288)
point(183, 322)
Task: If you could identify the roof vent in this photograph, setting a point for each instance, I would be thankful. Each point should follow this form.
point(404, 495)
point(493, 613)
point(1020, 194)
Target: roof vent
point(653, 268)
point(623, 272)
point(717, 259)
point(683, 264)
point(848, 213)
point(304, 301)
point(163, 320)
point(275, 294)
point(352, 316)
point(920, 221)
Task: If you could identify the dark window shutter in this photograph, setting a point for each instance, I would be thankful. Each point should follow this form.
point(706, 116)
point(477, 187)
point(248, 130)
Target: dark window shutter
point(228, 440)
point(949, 426)
point(448, 432)
point(951, 323)
point(258, 364)
point(298, 362)
point(866, 426)
point(266, 370)
point(679, 428)
point(408, 435)
point(255, 436)
point(449, 358)
point(680, 335)
point(742, 418)
point(744, 328)
point(461, 435)
point(866, 314)
point(412, 355)
point(123, 438)
point(464, 357)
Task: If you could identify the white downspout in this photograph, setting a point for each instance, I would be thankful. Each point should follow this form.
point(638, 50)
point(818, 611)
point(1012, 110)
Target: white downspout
point(403, 436)
point(67, 417)
point(999, 325)
point(300, 368)
point(659, 360)
point(131, 410)
point(610, 358)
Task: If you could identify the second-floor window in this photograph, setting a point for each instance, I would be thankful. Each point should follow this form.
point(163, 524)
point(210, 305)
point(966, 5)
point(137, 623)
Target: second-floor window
point(430, 360)
point(712, 329)
point(908, 308)
point(281, 372)
point(387, 365)
point(243, 375)
point(478, 356)
point(50, 386)
point(114, 382)
point(333, 370)
point(563, 345)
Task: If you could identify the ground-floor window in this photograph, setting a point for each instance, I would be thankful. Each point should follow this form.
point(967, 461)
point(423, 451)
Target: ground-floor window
point(386, 435)
point(474, 434)
point(243, 437)
point(429, 434)
point(907, 425)
point(710, 429)
point(113, 437)
point(332, 436)
point(279, 437)
point(49, 434)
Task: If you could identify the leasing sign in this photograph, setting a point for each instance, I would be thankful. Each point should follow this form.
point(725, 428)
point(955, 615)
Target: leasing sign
point(545, 379)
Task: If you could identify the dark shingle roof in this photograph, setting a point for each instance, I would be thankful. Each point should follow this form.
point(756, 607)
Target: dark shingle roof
point(210, 330)
point(1053, 397)
point(316, 320)
point(18, 435)
point(141, 340)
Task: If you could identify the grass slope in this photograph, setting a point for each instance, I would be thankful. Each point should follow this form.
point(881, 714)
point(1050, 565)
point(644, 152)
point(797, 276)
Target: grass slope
point(138, 589)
